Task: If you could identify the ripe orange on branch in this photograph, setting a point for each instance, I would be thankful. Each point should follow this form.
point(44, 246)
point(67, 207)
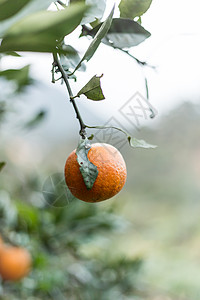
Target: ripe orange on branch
point(15, 263)
point(111, 173)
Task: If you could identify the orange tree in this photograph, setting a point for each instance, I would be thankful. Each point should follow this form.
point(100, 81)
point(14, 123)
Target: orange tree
point(60, 270)
point(23, 29)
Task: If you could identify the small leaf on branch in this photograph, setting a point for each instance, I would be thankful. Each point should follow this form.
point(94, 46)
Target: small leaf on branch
point(2, 164)
point(88, 170)
point(91, 137)
point(92, 90)
point(97, 39)
point(135, 143)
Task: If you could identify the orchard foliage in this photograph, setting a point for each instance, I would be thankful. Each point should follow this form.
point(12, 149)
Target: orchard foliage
point(59, 239)
point(28, 26)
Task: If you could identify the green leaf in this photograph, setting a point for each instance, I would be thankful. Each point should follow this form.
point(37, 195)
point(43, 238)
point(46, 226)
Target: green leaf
point(32, 43)
point(92, 90)
point(91, 137)
point(95, 11)
point(133, 8)
point(135, 143)
point(70, 59)
point(8, 8)
point(88, 170)
point(20, 76)
point(2, 164)
point(40, 31)
point(97, 39)
point(32, 7)
point(123, 33)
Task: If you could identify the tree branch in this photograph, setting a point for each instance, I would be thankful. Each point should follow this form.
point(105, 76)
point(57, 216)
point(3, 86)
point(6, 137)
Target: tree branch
point(65, 78)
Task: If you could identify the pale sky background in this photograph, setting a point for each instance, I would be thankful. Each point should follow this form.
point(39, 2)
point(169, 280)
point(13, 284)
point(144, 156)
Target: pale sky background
point(173, 48)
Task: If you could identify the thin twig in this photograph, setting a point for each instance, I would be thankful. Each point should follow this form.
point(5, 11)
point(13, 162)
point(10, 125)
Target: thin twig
point(65, 78)
point(62, 4)
point(143, 63)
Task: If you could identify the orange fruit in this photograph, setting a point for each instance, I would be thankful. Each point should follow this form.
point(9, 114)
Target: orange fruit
point(111, 173)
point(15, 263)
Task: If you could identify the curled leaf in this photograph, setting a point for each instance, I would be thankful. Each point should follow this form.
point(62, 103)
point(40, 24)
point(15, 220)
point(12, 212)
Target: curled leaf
point(92, 90)
point(88, 170)
point(135, 143)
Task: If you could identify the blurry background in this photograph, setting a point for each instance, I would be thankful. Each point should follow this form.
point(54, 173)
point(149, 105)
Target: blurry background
point(144, 243)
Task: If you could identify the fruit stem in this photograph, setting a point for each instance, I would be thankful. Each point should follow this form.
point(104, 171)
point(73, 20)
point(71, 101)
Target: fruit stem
point(57, 64)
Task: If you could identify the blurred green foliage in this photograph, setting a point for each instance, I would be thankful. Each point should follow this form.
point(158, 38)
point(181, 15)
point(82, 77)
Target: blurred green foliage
point(56, 238)
point(19, 76)
point(143, 244)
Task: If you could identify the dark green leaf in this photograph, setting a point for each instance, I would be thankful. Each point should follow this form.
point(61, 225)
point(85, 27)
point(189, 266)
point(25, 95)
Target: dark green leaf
point(8, 8)
point(91, 137)
point(139, 20)
point(20, 76)
point(58, 23)
point(38, 118)
point(2, 164)
point(133, 8)
point(40, 31)
point(32, 7)
point(92, 90)
point(123, 33)
point(88, 170)
point(70, 59)
point(135, 143)
point(34, 43)
point(97, 39)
